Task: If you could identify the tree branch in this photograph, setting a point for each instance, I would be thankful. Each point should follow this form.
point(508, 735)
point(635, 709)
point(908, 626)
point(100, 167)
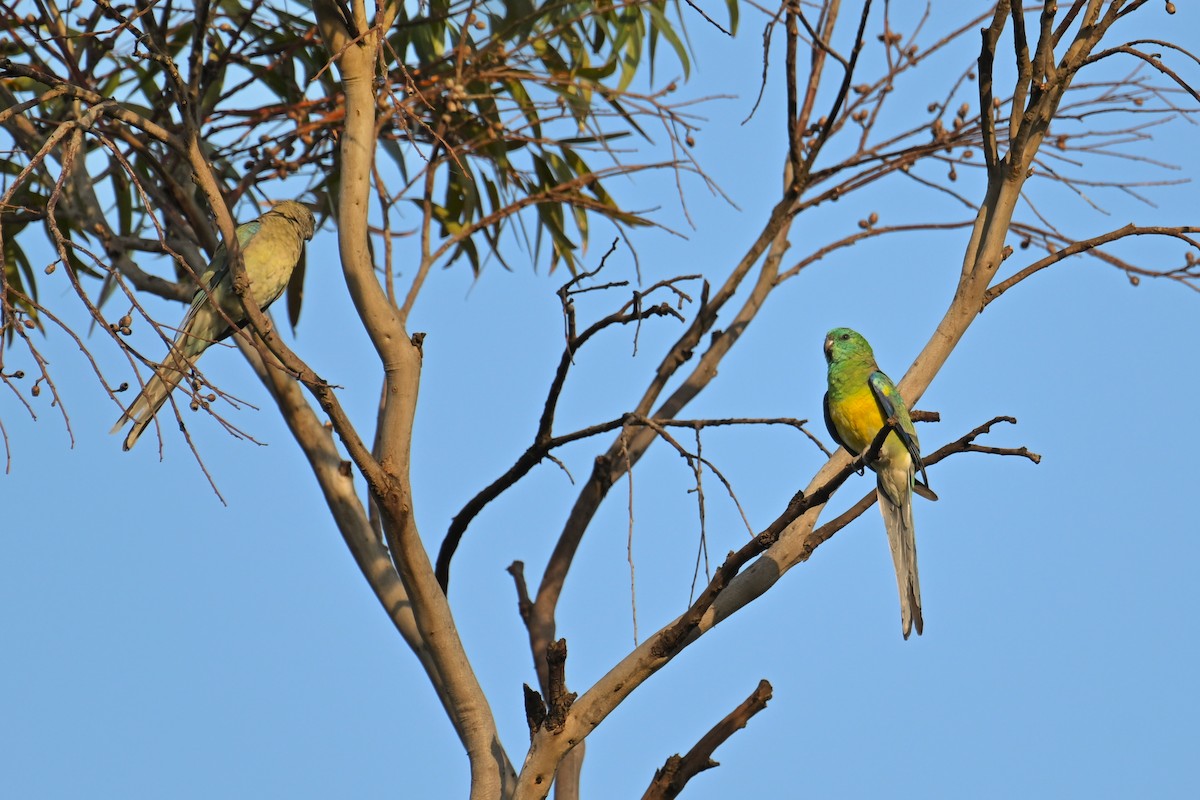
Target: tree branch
point(1086, 245)
point(783, 544)
point(1152, 60)
point(491, 772)
point(544, 441)
point(677, 771)
point(987, 59)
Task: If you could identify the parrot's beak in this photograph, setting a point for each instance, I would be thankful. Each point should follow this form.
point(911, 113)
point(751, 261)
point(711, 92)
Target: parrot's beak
point(828, 348)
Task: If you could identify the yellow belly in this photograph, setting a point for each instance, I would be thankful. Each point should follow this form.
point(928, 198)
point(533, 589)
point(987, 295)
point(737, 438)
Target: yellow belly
point(858, 419)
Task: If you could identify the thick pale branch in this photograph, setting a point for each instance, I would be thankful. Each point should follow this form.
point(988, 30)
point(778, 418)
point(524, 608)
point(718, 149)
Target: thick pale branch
point(491, 772)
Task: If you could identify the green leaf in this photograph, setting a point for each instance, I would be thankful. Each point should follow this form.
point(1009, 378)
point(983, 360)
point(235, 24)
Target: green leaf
point(660, 25)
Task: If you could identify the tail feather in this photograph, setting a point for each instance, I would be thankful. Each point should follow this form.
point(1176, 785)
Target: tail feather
point(152, 397)
point(895, 503)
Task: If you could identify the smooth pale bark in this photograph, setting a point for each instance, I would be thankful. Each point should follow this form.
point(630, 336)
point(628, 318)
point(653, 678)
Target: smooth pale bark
point(450, 669)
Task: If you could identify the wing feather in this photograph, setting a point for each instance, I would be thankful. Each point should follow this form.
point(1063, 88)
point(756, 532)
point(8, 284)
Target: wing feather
point(891, 405)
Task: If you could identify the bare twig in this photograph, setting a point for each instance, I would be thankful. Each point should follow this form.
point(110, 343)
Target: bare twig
point(670, 779)
point(1088, 245)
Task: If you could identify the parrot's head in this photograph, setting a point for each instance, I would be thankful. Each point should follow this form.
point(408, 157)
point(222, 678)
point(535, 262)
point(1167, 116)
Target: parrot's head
point(299, 214)
point(842, 344)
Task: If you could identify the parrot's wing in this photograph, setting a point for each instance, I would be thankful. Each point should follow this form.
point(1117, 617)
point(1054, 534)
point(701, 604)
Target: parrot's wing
point(891, 404)
point(218, 271)
point(833, 428)
point(246, 232)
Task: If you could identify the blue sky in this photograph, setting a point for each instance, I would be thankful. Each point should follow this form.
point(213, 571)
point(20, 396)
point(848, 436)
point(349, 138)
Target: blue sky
point(161, 644)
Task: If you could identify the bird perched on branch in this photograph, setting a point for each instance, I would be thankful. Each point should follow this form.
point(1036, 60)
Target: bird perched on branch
point(271, 247)
point(860, 401)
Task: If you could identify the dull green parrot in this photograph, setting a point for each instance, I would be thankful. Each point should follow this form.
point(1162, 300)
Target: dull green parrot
point(271, 247)
point(859, 402)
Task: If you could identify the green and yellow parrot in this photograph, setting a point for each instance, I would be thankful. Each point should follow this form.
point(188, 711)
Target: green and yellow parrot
point(271, 247)
point(859, 402)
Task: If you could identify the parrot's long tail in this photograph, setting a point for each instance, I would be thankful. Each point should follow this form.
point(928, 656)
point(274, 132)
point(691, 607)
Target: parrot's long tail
point(898, 519)
point(155, 393)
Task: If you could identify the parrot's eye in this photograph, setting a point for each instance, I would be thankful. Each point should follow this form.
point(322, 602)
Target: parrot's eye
point(845, 337)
